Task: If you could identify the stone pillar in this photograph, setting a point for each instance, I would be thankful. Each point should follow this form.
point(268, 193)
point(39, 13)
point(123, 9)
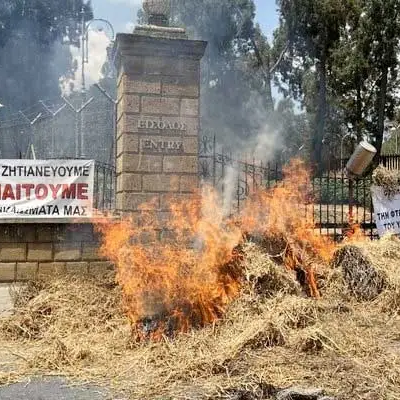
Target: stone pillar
point(158, 116)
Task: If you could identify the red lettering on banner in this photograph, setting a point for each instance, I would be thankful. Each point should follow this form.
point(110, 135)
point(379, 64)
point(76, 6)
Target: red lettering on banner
point(41, 191)
point(44, 191)
point(82, 191)
point(68, 191)
point(18, 190)
point(28, 187)
point(8, 193)
point(54, 190)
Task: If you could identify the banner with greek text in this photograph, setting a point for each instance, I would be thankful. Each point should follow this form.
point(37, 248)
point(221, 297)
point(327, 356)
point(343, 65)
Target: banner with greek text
point(386, 211)
point(43, 189)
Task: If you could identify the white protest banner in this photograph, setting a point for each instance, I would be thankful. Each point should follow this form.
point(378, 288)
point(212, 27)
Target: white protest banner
point(386, 210)
point(44, 189)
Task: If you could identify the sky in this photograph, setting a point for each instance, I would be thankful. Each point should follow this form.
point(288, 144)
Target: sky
point(122, 15)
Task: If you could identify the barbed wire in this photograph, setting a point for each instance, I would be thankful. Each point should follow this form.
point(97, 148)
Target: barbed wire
point(55, 128)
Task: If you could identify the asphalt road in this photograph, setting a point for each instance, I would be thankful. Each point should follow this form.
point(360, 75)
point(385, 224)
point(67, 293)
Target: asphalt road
point(54, 389)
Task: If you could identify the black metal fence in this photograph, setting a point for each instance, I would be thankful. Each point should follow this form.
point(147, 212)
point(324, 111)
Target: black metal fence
point(336, 202)
point(104, 187)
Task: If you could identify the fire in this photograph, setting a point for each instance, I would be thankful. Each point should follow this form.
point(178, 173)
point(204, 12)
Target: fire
point(181, 269)
point(284, 217)
point(176, 270)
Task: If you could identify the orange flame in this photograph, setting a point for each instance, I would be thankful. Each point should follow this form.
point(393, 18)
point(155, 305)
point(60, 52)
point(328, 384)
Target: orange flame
point(283, 214)
point(174, 267)
point(180, 269)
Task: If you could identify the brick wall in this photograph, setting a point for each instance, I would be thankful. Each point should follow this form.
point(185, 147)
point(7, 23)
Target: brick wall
point(157, 118)
point(29, 251)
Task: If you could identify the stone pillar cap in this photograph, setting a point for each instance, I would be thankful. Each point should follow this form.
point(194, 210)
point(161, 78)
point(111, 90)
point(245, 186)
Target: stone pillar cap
point(128, 44)
point(157, 31)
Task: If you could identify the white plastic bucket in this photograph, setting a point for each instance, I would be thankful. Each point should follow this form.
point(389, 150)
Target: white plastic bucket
point(361, 158)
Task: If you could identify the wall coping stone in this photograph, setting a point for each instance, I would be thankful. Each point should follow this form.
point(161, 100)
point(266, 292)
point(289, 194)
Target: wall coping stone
point(130, 44)
point(92, 220)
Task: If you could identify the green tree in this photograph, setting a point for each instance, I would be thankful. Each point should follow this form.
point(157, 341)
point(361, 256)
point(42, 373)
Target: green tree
point(236, 91)
point(32, 57)
point(312, 29)
point(383, 22)
point(365, 73)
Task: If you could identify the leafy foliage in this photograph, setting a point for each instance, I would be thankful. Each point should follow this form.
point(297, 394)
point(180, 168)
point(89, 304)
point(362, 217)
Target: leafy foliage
point(342, 66)
point(32, 57)
point(235, 94)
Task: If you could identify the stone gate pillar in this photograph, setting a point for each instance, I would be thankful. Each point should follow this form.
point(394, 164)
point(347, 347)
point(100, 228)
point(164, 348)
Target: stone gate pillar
point(158, 115)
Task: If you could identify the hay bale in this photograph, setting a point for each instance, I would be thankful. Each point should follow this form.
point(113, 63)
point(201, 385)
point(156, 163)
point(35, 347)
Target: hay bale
point(363, 280)
point(265, 276)
point(385, 255)
point(389, 180)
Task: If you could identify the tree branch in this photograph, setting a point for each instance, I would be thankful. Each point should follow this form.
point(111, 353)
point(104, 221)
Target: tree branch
point(276, 65)
point(271, 70)
point(260, 59)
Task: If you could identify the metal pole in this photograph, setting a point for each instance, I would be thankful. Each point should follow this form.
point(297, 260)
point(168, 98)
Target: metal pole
point(83, 27)
point(83, 89)
point(351, 198)
point(341, 149)
point(85, 59)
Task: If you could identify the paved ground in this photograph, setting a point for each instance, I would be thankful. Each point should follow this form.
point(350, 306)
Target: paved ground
point(54, 389)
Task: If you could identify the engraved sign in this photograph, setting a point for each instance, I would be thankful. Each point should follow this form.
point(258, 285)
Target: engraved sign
point(161, 125)
point(162, 146)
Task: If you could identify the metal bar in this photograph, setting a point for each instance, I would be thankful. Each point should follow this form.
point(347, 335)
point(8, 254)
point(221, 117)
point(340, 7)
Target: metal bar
point(245, 176)
point(320, 201)
point(96, 185)
point(313, 200)
point(364, 202)
point(328, 184)
point(214, 162)
point(342, 183)
point(357, 201)
point(335, 202)
point(104, 187)
point(238, 190)
point(351, 199)
point(371, 218)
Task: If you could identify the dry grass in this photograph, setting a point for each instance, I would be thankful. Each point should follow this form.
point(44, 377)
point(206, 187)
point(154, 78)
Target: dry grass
point(388, 179)
point(272, 335)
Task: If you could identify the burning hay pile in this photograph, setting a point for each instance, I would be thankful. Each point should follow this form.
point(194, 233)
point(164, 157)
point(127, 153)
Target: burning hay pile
point(248, 308)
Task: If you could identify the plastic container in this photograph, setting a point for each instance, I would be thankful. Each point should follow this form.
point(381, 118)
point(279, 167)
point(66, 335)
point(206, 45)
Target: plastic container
point(360, 159)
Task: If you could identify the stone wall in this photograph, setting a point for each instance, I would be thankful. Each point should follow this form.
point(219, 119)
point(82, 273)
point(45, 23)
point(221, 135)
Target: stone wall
point(158, 117)
point(29, 251)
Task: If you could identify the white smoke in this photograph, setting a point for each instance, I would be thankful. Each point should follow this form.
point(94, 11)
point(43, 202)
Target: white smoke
point(98, 43)
point(264, 146)
point(230, 189)
point(258, 150)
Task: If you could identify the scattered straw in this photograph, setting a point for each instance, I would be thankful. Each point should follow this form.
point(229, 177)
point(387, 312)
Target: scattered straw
point(388, 179)
point(362, 279)
point(273, 337)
